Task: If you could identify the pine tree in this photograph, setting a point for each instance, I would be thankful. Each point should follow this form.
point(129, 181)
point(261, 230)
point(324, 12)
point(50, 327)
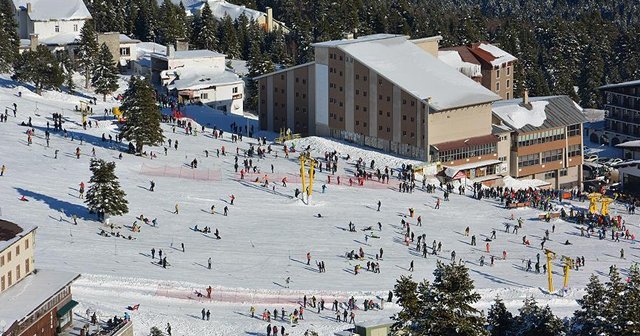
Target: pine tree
point(257, 65)
point(105, 75)
point(88, 51)
point(590, 319)
point(500, 319)
point(536, 321)
point(104, 196)
point(630, 312)
point(172, 24)
point(204, 30)
point(67, 68)
point(228, 39)
point(142, 115)
point(278, 49)
point(40, 68)
point(9, 40)
point(405, 291)
point(615, 288)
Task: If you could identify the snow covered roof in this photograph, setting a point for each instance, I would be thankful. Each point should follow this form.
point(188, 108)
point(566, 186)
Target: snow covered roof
point(195, 78)
point(630, 144)
point(385, 321)
point(61, 39)
point(148, 48)
point(620, 85)
point(519, 184)
point(492, 54)
point(190, 54)
point(366, 38)
point(29, 293)
point(126, 39)
point(12, 232)
point(546, 112)
point(285, 70)
point(454, 59)
point(45, 10)
point(451, 171)
point(417, 72)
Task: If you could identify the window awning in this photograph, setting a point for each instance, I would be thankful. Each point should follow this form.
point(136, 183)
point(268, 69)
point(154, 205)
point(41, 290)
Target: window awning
point(66, 308)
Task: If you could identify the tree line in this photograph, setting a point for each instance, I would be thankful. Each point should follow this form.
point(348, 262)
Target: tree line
point(445, 307)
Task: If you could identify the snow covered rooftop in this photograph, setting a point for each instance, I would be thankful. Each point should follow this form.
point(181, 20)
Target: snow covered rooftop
point(366, 38)
point(29, 293)
point(416, 71)
point(126, 39)
point(492, 54)
point(61, 39)
point(546, 112)
point(148, 48)
point(190, 54)
point(12, 232)
point(451, 171)
point(194, 78)
point(454, 60)
point(45, 10)
point(620, 85)
point(519, 184)
point(630, 144)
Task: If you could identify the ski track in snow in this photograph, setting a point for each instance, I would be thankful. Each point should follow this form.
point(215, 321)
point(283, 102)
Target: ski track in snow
point(266, 236)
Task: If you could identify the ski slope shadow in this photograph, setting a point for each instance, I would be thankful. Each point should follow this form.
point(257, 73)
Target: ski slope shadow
point(498, 279)
point(67, 208)
point(267, 190)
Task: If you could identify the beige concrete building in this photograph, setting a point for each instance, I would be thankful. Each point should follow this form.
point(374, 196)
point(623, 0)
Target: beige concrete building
point(546, 139)
point(485, 63)
point(16, 253)
point(622, 122)
point(382, 91)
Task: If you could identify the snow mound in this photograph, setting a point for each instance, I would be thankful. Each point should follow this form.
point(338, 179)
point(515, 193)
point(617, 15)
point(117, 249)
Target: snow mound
point(510, 182)
point(518, 116)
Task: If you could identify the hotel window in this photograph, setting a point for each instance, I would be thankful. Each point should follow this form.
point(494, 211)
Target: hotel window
point(404, 132)
point(357, 122)
point(357, 76)
point(379, 128)
point(552, 156)
point(75, 27)
point(528, 160)
point(508, 70)
point(364, 108)
point(234, 90)
point(364, 93)
point(404, 102)
point(498, 73)
point(2, 284)
point(204, 96)
point(9, 257)
point(364, 78)
point(508, 83)
point(304, 81)
point(388, 98)
point(357, 107)
point(574, 150)
point(357, 92)
point(497, 86)
point(508, 95)
point(573, 130)
point(17, 272)
point(549, 175)
point(281, 76)
point(57, 28)
point(388, 130)
point(17, 250)
point(1, 260)
point(404, 117)
point(564, 172)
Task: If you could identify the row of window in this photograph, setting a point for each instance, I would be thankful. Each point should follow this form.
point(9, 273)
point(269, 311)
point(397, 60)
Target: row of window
point(7, 280)
point(508, 85)
point(498, 72)
point(465, 153)
point(573, 130)
point(552, 156)
point(540, 137)
point(56, 28)
point(17, 249)
point(552, 174)
point(574, 150)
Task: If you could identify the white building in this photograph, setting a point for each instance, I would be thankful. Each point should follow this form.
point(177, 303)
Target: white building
point(55, 23)
point(199, 76)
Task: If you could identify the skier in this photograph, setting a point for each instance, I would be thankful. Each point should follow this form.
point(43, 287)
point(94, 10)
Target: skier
point(204, 313)
point(182, 247)
point(232, 198)
point(2, 169)
point(153, 253)
point(176, 212)
point(168, 328)
point(226, 210)
point(411, 266)
point(308, 258)
point(81, 190)
point(152, 185)
point(209, 263)
point(379, 204)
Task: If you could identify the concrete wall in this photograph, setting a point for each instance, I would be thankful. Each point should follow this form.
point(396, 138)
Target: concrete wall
point(504, 76)
point(429, 44)
point(46, 29)
point(112, 40)
point(21, 255)
point(461, 123)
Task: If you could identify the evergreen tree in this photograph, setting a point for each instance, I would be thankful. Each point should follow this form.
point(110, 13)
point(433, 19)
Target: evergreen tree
point(500, 319)
point(172, 23)
point(143, 115)
point(40, 68)
point(104, 196)
point(228, 39)
point(87, 51)
point(443, 307)
point(67, 69)
point(105, 75)
point(536, 321)
point(145, 21)
point(257, 65)
point(591, 78)
point(615, 288)
point(9, 40)
point(406, 293)
point(204, 30)
point(278, 49)
point(590, 319)
point(630, 311)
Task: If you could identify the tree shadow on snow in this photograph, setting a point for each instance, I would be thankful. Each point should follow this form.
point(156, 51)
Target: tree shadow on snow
point(69, 209)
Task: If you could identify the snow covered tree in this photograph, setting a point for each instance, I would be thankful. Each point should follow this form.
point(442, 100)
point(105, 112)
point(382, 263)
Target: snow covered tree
point(228, 39)
point(590, 319)
point(204, 30)
point(257, 65)
point(40, 68)
point(67, 69)
point(88, 51)
point(105, 74)
point(536, 321)
point(500, 319)
point(278, 48)
point(405, 291)
point(104, 196)
point(9, 40)
point(142, 114)
point(443, 307)
point(172, 23)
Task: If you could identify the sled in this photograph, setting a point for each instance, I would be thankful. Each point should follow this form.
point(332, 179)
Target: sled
point(134, 307)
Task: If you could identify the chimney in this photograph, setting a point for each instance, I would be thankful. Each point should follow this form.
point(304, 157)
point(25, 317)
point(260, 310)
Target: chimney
point(29, 7)
point(525, 99)
point(269, 22)
point(33, 42)
point(347, 36)
point(182, 45)
point(170, 51)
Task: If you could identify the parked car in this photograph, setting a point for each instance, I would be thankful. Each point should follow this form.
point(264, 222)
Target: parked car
point(613, 161)
point(591, 158)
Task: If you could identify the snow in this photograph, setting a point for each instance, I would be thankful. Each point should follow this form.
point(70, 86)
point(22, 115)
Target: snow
point(521, 184)
point(452, 170)
point(61, 39)
point(25, 296)
point(196, 78)
point(195, 54)
point(418, 72)
point(518, 116)
point(267, 233)
point(501, 56)
point(45, 10)
point(453, 59)
point(629, 144)
point(239, 67)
